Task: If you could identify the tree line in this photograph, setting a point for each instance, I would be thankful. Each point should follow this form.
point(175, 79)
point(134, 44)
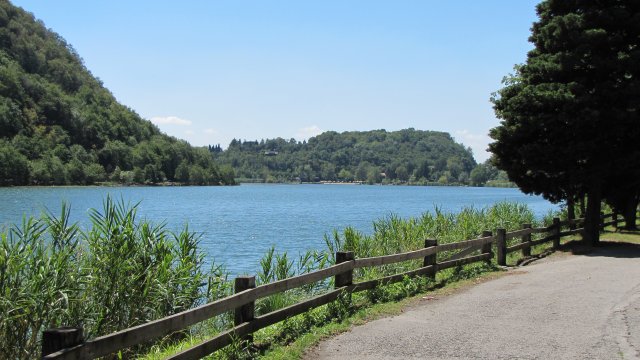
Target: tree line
point(397, 157)
point(59, 125)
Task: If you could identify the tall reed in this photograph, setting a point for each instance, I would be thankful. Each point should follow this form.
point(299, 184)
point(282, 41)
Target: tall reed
point(393, 234)
point(119, 273)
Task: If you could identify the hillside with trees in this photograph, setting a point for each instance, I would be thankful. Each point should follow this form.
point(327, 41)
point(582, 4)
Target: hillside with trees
point(59, 125)
point(378, 156)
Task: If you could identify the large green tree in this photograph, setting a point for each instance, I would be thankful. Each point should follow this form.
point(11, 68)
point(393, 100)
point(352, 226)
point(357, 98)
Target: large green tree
point(570, 113)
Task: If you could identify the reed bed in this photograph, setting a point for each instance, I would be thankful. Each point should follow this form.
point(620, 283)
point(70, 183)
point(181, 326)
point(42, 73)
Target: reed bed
point(120, 273)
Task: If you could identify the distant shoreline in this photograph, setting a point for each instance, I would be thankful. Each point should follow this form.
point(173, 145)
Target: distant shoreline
point(433, 184)
point(177, 184)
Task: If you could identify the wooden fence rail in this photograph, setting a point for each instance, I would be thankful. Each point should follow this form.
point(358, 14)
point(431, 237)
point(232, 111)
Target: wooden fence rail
point(68, 344)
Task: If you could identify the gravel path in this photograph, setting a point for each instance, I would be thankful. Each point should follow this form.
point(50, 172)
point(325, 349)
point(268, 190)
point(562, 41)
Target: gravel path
point(562, 307)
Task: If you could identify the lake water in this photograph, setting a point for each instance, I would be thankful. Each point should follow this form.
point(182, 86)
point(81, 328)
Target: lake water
point(240, 223)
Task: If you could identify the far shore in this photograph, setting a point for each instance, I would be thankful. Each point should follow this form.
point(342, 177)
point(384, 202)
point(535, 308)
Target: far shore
point(244, 182)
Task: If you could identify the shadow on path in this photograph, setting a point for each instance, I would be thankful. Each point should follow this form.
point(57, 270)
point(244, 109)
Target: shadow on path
point(606, 248)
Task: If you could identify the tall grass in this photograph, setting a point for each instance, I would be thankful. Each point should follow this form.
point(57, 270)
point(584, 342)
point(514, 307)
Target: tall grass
point(278, 266)
point(393, 234)
point(119, 273)
point(37, 282)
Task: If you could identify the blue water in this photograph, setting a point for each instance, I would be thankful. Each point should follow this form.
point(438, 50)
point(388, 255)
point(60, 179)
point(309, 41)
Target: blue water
point(239, 224)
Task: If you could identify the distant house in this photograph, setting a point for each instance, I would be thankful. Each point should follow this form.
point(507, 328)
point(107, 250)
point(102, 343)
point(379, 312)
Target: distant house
point(271, 153)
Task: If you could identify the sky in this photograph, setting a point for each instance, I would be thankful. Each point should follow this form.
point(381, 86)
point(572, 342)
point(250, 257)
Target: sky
point(211, 71)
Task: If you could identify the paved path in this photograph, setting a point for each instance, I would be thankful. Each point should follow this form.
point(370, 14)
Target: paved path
point(562, 307)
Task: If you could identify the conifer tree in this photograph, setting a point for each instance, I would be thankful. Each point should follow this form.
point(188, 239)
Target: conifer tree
point(570, 114)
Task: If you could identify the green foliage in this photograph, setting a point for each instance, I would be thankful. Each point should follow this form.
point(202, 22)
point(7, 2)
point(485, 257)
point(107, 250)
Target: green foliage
point(371, 157)
point(14, 166)
point(120, 273)
point(486, 174)
point(59, 125)
point(570, 113)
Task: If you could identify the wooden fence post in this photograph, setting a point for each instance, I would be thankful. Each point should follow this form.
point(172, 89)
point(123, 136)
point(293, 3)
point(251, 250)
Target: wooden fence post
point(244, 313)
point(614, 218)
point(556, 233)
point(345, 278)
point(526, 238)
point(486, 248)
point(501, 245)
point(431, 259)
point(60, 338)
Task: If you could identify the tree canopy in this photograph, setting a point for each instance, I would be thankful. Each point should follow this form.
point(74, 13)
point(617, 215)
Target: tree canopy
point(368, 156)
point(570, 114)
point(59, 125)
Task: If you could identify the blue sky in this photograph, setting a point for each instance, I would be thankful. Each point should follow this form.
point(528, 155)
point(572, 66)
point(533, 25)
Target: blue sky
point(211, 71)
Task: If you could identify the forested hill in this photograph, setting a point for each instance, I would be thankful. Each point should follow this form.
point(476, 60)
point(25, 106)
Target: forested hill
point(377, 156)
point(59, 125)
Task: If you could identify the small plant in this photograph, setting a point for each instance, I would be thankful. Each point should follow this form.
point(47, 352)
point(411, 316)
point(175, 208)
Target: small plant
point(340, 308)
point(239, 349)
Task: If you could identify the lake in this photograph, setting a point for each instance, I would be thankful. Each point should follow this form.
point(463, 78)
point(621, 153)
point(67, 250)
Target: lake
point(240, 223)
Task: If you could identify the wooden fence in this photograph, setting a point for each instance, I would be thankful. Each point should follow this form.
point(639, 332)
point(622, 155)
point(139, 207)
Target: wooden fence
point(67, 343)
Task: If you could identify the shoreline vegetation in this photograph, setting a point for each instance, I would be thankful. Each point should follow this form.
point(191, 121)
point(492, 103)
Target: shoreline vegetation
point(124, 271)
point(502, 184)
point(237, 182)
point(489, 183)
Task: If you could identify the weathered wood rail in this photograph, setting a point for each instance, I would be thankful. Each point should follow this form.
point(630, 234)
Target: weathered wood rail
point(64, 343)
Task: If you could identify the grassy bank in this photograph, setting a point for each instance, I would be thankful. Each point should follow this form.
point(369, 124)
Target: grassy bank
point(124, 271)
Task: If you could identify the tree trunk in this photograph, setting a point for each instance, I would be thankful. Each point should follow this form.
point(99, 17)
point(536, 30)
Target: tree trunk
point(581, 203)
point(571, 212)
point(629, 213)
point(591, 234)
